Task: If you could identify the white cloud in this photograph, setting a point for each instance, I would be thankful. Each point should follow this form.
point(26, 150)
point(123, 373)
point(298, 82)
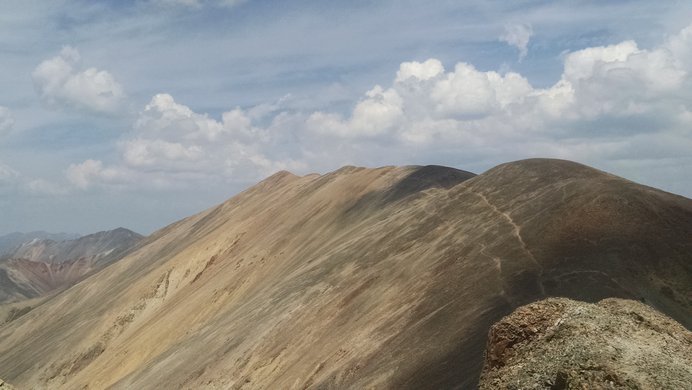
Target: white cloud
point(166, 118)
point(419, 70)
point(468, 92)
point(81, 175)
point(171, 145)
point(91, 172)
point(144, 152)
point(379, 113)
point(61, 82)
point(518, 35)
point(6, 120)
point(7, 174)
point(680, 47)
point(612, 104)
point(623, 80)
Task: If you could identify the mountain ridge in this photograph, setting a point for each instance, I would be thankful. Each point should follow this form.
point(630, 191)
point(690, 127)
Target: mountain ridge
point(11, 241)
point(326, 281)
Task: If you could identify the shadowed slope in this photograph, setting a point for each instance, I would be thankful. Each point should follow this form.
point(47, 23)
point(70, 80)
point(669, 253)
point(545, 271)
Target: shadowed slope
point(427, 177)
point(328, 282)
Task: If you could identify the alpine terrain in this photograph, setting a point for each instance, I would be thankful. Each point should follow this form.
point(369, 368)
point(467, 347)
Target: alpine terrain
point(386, 278)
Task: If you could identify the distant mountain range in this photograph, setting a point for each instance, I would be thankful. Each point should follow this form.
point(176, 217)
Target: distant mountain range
point(386, 278)
point(11, 241)
point(38, 265)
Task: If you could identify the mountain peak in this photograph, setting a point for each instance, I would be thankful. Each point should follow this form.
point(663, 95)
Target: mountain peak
point(547, 169)
point(278, 178)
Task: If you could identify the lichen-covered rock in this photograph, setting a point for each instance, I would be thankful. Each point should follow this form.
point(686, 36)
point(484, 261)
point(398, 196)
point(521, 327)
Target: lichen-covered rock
point(563, 344)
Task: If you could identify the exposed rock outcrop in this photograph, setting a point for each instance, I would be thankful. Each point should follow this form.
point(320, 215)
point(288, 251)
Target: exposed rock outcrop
point(561, 344)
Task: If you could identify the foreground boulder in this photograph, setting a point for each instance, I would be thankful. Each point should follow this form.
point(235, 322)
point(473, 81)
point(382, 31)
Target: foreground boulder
point(563, 344)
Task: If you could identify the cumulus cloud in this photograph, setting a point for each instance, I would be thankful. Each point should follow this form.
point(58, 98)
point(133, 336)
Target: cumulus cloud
point(171, 145)
point(616, 87)
point(378, 113)
point(6, 120)
point(518, 35)
point(419, 71)
point(61, 82)
point(81, 175)
point(680, 46)
point(612, 104)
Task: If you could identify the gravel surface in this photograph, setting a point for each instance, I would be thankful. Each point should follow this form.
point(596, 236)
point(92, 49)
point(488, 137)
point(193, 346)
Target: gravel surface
point(563, 344)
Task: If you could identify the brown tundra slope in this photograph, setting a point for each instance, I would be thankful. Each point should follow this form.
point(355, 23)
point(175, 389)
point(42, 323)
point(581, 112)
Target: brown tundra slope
point(360, 278)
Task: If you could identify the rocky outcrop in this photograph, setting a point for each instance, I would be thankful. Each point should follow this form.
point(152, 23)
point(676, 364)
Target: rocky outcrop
point(563, 344)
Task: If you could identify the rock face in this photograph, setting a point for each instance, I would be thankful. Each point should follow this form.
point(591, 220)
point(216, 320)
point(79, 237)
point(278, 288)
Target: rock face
point(39, 266)
point(561, 344)
point(383, 278)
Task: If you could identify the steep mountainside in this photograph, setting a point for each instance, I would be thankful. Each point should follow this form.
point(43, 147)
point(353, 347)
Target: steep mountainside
point(39, 266)
point(560, 344)
point(360, 278)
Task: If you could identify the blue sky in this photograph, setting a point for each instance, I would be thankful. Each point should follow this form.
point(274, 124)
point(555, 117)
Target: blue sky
point(137, 113)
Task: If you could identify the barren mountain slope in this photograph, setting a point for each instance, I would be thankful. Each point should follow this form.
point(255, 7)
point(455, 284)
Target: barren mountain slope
point(41, 266)
point(5, 386)
point(361, 278)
